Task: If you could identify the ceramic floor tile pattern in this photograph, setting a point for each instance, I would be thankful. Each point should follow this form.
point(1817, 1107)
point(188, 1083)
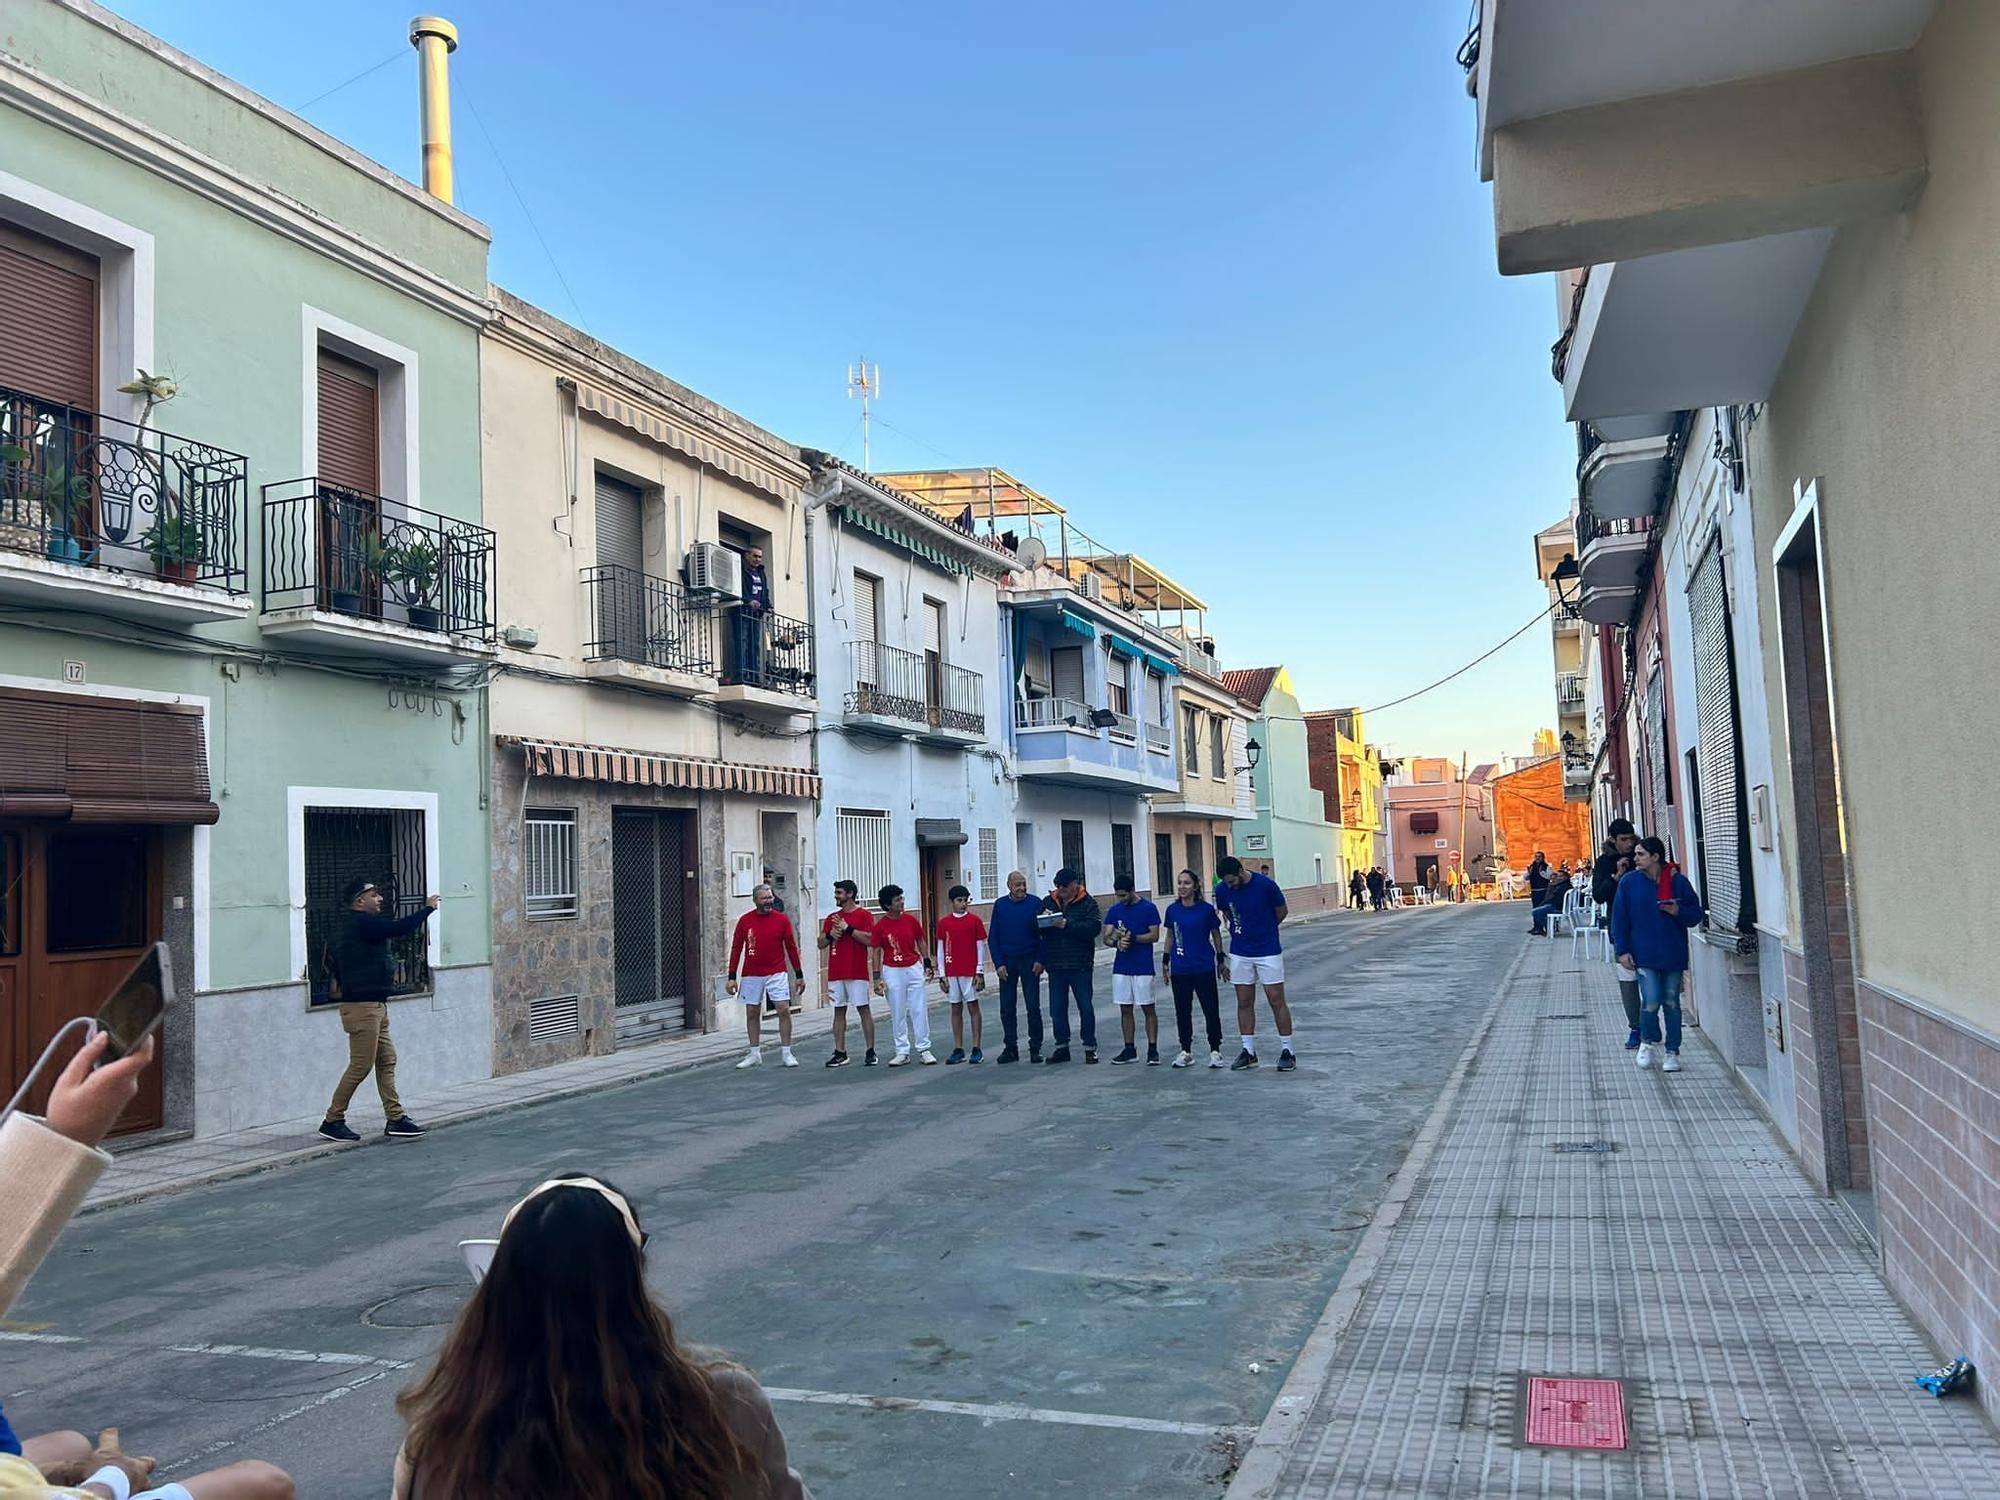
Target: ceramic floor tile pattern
point(1761, 1353)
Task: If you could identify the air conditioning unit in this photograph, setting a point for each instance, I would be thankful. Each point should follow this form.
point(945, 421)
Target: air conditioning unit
point(1091, 586)
point(711, 570)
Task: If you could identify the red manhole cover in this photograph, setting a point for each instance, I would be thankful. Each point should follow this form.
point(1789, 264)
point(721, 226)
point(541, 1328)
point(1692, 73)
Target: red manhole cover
point(1566, 1413)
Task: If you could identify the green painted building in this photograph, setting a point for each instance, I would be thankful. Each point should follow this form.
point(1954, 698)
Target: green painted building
point(244, 629)
point(1289, 837)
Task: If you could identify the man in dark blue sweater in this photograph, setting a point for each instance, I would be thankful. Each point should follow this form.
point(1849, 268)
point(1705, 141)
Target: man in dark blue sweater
point(1015, 942)
point(366, 972)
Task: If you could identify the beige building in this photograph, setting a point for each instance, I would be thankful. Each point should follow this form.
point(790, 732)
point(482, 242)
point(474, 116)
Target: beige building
point(1795, 231)
point(1195, 827)
point(652, 759)
point(1577, 698)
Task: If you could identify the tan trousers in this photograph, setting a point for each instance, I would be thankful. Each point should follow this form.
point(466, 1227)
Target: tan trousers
point(369, 1049)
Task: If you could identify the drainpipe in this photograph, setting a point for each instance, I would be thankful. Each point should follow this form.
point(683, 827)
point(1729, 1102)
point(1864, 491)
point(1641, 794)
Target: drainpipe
point(435, 39)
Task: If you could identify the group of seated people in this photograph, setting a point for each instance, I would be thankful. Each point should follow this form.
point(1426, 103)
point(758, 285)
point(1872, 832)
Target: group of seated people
point(561, 1375)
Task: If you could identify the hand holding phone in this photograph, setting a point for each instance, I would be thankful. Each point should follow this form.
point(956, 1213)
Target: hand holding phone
point(87, 1099)
point(1671, 907)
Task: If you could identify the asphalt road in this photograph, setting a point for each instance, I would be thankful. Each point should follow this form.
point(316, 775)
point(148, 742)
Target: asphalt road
point(968, 1281)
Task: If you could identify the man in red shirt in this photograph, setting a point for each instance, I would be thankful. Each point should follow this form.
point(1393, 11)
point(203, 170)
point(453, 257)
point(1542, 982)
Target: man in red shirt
point(764, 939)
point(962, 948)
point(902, 959)
point(846, 934)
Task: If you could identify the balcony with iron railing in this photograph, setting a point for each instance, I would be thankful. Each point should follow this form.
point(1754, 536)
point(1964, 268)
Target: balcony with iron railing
point(646, 632)
point(767, 666)
point(119, 518)
point(1068, 741)
point(915, 695)
point(1569, 692)
point(349, 572)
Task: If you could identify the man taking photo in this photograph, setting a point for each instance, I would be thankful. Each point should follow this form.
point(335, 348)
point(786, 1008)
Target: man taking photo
point(366, 971)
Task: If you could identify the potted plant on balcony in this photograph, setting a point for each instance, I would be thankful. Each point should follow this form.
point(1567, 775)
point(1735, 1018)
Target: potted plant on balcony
point(60, 493)
point(416, 569)
point(178, 542)
point(357, 568)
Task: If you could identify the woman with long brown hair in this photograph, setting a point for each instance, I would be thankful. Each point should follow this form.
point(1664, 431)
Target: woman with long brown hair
point(562, 1376)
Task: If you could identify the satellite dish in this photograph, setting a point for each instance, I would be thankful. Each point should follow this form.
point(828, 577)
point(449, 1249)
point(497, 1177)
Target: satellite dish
point(1031, 552)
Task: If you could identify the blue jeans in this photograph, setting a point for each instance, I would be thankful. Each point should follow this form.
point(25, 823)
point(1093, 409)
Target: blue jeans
point(1062, 984)
point(1021, 980)
point(1660, 998)
point(1541, 916)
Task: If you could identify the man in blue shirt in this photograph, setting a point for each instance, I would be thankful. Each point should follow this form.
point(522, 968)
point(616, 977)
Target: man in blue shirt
point(1015, 943)
point(1132, 927)
point(1253, 906)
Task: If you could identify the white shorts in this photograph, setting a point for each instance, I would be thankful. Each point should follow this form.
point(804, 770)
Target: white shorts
point(1269, 969)
point(165, 1492)
point(755, 989)
point(855, 992)
point(1132, 989)
point(958, 988)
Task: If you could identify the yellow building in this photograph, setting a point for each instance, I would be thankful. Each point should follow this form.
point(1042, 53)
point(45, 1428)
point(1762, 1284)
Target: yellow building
point(1347, 771)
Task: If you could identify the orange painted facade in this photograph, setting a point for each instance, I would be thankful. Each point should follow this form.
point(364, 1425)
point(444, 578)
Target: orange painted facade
point(1529, 814)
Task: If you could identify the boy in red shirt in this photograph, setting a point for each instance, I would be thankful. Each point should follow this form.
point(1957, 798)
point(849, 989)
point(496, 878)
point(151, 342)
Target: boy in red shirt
point(764, 938)
point(962, 946)
point(902, 959)
point(847, 933)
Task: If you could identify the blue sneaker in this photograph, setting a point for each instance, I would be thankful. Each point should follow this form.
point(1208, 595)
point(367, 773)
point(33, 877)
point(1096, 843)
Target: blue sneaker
point(976, 1055)
point(957, 1055)
point(1632, 1040)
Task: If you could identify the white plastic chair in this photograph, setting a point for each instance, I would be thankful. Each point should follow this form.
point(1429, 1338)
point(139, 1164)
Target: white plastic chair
point(1585, 931)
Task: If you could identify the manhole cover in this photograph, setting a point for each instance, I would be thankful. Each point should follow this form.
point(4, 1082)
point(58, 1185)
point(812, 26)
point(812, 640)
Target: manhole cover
point(421, 1307)
point(1562, 1411)
point(1565, 1147)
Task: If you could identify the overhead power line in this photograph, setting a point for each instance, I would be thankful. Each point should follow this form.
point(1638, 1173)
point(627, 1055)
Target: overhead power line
point(300, 109)
point(1395, 702)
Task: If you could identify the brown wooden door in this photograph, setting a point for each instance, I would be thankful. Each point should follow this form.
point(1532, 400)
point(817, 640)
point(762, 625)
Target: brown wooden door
point(87, 900)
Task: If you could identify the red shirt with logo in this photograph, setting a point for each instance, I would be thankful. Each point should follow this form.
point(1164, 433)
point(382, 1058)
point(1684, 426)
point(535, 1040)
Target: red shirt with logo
point(898, 937)
point(959, 938)
point(763, 939)
point(847, 955)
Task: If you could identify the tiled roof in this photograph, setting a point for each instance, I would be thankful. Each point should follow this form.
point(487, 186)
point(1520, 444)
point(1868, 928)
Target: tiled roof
point(1250, 683)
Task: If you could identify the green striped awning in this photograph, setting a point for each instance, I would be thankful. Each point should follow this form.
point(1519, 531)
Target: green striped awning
point(1076, 623)
point(915, 546)
point(1160, 664)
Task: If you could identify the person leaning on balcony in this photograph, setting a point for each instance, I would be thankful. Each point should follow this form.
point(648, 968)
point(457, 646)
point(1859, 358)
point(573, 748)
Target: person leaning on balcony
point(366, 971)
point(750, 614)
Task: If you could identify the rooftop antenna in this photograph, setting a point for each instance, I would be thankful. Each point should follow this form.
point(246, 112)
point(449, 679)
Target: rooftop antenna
point(864, 381)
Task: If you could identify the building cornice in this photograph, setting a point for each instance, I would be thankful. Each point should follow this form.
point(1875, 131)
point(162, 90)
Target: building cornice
point(34, 93)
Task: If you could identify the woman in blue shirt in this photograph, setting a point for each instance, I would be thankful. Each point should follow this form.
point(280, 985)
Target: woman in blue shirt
point(1195, 957)
point(1650, 917)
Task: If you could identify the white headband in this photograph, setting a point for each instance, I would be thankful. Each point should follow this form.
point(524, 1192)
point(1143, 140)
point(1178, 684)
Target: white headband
point(589, 1184)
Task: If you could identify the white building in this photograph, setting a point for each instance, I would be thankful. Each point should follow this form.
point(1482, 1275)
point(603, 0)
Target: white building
point(913, 697)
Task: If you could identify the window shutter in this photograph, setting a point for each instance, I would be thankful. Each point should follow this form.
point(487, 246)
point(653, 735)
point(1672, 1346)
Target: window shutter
point(934, 628)
point(867, 608)
point(1725, 826)
point(1066, 672)
point(621, 526)
point(48, 319)
point(349, 425)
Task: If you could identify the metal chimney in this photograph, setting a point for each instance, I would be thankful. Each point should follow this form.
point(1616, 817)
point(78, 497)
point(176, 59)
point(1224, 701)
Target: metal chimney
point(435, 39)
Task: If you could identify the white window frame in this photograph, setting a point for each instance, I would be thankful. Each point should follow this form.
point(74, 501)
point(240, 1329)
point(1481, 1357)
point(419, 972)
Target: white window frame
point(395, 367)
point(299, 798)
point(989, 864)
point(551, 817)
point(868, 886)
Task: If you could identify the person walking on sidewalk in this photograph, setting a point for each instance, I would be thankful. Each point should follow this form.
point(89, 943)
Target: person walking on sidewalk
point(1016, 945)
point(1195, 958)
point(1070, 923)
point(1357, 887)
point(366, 971)
point(1650, 917)
point(1132, 930)
point(961, 940)
point(1612, 862)
point(1254, 907)
point(845, 934)
point(902, 961)
point(764, 940)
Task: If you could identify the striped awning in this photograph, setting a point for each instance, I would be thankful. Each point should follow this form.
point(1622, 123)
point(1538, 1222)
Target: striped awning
point(683, 440)
point(635, 768)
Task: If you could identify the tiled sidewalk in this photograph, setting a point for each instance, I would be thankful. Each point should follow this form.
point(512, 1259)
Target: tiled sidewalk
point(1761, 1353)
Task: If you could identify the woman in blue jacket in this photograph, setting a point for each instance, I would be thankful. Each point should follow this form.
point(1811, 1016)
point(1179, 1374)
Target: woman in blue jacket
point(1650, 917)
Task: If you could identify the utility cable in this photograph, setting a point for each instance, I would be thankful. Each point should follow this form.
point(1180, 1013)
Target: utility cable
point(1407, 697)
point(527, 213)
point(299, 109)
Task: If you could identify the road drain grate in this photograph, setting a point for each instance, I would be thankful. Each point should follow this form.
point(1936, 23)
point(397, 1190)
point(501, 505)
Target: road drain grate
point(1565, 1015)
point(1565, 1147)
point(1562, 1411)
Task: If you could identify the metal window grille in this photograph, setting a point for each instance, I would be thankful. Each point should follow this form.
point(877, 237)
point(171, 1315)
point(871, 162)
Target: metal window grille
point(548, 862)
point(384, 845)
point(864, 838)
point(1072, 844)
point(1715, 786)
point(1121, 851)
point(989, 864)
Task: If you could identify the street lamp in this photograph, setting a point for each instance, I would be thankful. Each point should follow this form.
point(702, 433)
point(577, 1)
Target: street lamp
point(1567, 573)
point(1255, 751)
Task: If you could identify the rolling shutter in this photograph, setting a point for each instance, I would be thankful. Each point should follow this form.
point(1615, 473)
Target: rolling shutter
point(867, 608)
point(102, 760)
point(1066, 672)
point(349, 425)
point(621, 526)
point(1659, 782)
point(934, 628)
point(1726, 890)
point(48, 319)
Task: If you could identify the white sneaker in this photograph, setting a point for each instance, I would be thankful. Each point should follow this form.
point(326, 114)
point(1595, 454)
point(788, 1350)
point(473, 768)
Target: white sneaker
point(1645, 1057)
point(1672, 1064)
point(789, 1060)
point(927, 1057)
point(751, 1058)
point(1215, 1059)
point(1185, 1060)
point(900, 1060)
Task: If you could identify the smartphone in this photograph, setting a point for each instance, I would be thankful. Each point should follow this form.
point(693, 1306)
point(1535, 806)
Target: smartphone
point(135, 1009)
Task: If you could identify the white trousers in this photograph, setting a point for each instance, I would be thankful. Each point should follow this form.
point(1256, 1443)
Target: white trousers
point(909, 1011)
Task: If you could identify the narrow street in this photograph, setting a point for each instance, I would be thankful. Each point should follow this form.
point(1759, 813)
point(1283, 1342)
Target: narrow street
point(967, 1281)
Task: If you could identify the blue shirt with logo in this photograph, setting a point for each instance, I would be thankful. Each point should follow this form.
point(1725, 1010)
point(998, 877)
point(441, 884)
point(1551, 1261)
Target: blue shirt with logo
point(1252, 913)
point(1191, 937)
point(1135, 917)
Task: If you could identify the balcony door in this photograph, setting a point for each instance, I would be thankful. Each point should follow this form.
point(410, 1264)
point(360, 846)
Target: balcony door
point(620, 513)
point(350, 460)
point(933, 659)
point(48, 357)
point(867, 633)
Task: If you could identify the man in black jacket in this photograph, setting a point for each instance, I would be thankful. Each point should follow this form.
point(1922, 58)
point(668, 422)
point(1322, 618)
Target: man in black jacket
point(1069, 952)
point(362, 964)
point(1623, 838)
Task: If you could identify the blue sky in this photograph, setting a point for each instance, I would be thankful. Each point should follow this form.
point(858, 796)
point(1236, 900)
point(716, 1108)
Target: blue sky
point(1220, 281)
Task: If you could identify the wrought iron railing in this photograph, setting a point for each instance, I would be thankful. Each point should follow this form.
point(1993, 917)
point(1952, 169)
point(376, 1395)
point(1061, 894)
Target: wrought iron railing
point(650, 622)
point(1590, 529)
point(1053, 713)
point(955, 698)
point(93, 490)
point(888, 682)
point(332, 548)
point(769, 651)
